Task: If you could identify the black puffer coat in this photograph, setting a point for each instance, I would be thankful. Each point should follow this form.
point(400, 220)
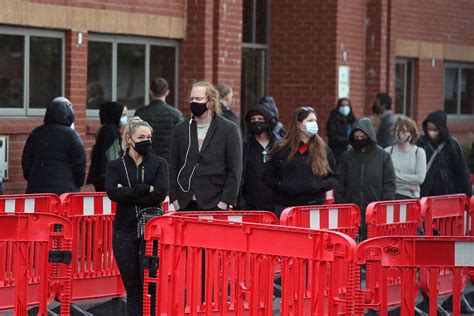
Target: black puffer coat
point(339, 127)
point(54, 160)
point(448, 173)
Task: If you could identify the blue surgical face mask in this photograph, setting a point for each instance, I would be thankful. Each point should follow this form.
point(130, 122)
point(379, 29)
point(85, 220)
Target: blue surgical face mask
point(344, 110)
point(311, 128)
point(123, 120)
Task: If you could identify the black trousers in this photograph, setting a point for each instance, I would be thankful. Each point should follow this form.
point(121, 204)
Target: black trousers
point(129, 253)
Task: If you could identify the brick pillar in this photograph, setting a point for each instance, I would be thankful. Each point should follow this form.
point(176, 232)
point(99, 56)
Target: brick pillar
point(302, 56)
point(377, 50)
point(196, 51)
point(76, 77)
point(227, 50)
point(429, 90)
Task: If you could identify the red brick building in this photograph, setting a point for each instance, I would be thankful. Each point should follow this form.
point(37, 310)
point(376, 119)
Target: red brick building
point(301, 52)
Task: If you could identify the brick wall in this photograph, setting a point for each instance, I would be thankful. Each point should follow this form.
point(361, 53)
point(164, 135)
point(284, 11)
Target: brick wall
point(302, 56)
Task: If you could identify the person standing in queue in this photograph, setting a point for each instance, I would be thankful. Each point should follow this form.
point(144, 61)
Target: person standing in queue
point(301, 166)
point(137, 180)
point(206, 156)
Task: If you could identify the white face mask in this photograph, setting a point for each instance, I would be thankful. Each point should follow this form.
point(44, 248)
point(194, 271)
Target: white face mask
point(311, 128)
point(72, 126)
point(123, 120)
point(433, 134)
point(402, 137)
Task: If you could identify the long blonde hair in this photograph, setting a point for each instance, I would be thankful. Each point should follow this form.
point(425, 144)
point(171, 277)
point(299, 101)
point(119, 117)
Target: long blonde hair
point(130, 128)
point(316, 146)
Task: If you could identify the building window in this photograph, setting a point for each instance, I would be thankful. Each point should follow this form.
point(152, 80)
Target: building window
point(31, 70)
point(459, 88)
point(120, 68)
point(404, 71)
point(254, 52)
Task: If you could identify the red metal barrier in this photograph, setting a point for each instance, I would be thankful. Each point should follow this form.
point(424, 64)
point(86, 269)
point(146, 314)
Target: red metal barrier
point(344, 218)
point(406, 254)
point(233, 216)
point(444, 215)
point(30, 203)
point(470, 220)
point(238, 268)
point(94, 271)
point(38, 257)
point(389, 218)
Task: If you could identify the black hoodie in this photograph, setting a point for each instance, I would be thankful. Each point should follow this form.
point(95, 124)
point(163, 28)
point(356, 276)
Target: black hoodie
point(107, 143)
point(54, 160)
point(367, 176)
point(448, 173)
point(339, 128)
point(254, 194)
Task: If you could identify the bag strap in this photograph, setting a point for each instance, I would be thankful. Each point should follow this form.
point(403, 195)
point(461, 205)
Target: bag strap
point(440, 147)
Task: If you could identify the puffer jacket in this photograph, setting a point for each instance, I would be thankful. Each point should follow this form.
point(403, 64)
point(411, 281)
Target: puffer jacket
point(163, 118)
point(339, 128)
point(448, 173)
point(54, 159)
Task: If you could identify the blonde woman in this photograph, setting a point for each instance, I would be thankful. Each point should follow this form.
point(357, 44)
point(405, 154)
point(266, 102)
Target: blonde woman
point(408, 159)
point(137, 180)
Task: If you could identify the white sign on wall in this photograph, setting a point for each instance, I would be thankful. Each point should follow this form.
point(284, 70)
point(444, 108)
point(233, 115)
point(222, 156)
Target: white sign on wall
point(344, 82)
point(4, 156)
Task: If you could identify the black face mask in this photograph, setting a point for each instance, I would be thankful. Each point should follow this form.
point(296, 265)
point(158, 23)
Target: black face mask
point(361, 143)
point(375, 109)
point(143, 147)
point(257, 128)
point(198, 109)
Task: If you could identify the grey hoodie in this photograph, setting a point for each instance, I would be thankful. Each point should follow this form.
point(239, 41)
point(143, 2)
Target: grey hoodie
point(367, 176)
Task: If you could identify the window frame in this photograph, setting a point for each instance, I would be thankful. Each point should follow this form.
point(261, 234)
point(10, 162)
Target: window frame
point(134, 40)
point(459, 66)
point(27, 33)
point(261, 48)
point(408, 62)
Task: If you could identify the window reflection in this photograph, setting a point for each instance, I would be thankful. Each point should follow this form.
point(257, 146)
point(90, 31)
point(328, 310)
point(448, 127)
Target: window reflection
point(11, 71)
point(131, 75)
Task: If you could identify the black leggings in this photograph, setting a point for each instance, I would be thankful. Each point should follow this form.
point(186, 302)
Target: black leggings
point(129, 253)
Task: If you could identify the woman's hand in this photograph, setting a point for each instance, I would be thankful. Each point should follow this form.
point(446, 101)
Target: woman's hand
point(222, 205)
point(176, 205)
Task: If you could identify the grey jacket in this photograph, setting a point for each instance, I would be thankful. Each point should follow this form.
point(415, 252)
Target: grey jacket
point(218, 166)
point(368, 176)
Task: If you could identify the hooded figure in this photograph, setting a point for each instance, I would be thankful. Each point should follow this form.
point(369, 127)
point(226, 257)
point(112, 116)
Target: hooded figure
point(54, 160)
point(446, 169)
point(107, 144)
point(278, 128)
point(256, 150)
point(339, 127)
point(366, 171)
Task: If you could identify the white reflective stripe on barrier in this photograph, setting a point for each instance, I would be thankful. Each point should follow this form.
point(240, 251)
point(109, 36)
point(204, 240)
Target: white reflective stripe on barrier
point(107, 205)
point(403, 213)
point(464, 254)
point(30, 206)
point(206, 217)
point(88, 205)
point(333, 218)
point(314, 220)
point(234, 218)
point(389, 214)
point(10, 206)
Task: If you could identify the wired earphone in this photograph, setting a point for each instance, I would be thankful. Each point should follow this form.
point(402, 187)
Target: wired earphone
point(186, 160)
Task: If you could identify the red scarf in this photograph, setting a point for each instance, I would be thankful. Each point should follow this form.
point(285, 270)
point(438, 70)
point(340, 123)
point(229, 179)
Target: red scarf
point(303, 148)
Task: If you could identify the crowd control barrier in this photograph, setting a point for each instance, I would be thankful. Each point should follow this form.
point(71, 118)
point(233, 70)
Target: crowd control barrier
point(233, 216)
point(344, 218)
point(388, 218)
point(406, 254)
point(35, 256)
point(470, 225)
point(94, 271)
point(30, 203)
point(237, 275)
point(444, 215)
